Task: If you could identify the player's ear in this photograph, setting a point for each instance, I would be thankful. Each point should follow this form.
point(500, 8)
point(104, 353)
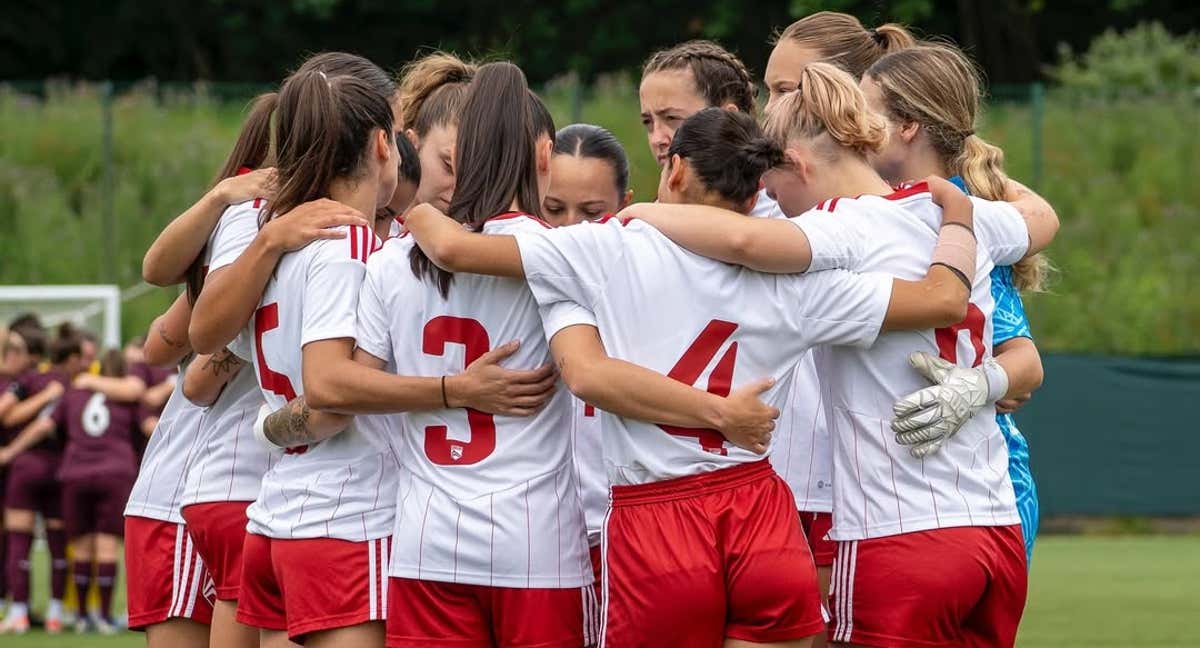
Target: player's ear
point(383, 146)
point(797, 162)
point(626, 200)
point(413, 138)
point(676, 176)
point(545, 149)
point(908, 131)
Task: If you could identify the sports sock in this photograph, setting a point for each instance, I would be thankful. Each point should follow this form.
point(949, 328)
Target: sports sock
point(106, 578)
point(3, 569)
point(17, 610)
point(82, 577)
point(56, 540)
point(54, 609)
point(16, 563)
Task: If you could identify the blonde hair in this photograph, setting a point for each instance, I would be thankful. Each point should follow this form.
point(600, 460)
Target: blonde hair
point(432, 90)
point(938, 87)
point(842, 40)
point(827, 102)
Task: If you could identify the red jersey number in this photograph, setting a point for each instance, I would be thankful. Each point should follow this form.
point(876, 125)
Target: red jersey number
point(947, 338)
point(267, 319)
point(688, 369)
point(441, 449)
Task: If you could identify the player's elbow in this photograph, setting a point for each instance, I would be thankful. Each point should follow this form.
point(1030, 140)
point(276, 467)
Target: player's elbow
point(199, 391)
point(324, 394)
point(948, 308)
point(152, 271)
point(203, 337)
point(445, 253)
point(583, 380)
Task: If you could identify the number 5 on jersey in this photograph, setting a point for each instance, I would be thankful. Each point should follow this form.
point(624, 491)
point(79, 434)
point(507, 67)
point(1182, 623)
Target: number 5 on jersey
point(267, 319)
point(439, 447)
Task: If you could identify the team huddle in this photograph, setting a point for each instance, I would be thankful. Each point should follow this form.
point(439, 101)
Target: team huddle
point(441, 384)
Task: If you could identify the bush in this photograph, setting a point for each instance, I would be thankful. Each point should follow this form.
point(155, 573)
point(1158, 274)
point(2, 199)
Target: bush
point(1145, 59)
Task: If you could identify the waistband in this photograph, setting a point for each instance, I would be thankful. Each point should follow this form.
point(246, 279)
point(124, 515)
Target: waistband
point(692, 485)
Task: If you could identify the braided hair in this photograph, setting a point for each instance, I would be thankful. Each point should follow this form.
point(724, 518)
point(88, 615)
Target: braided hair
point(720, 76)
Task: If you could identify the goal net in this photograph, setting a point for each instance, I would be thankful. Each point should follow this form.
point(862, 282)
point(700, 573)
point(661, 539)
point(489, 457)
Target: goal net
point(95, 308)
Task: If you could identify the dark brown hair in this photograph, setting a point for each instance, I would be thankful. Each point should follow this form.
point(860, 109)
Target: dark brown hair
point(432, 91)
point(727, 150)
point(591, 141)
point(112, 364)
point(67, 343)
point(720, 76)
point(323, 129)
point(495, 156)
point(843, 41)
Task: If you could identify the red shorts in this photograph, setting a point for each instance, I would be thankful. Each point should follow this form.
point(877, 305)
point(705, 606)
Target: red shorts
point(164, 575)
point(700, 559)
point(961, 586)
point(309, 585)
point(219, 530)
point(593, 611)
point(429, 613)
point(816, 527)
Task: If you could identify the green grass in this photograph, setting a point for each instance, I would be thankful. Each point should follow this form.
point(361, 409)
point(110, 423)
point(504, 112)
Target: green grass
point(1084, 591)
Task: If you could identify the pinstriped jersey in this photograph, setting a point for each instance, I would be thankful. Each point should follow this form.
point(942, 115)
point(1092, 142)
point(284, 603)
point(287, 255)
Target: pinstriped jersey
point(880, 489)
point(338, 488)
point(482, 499)
point(801, 453)
point(158, 492)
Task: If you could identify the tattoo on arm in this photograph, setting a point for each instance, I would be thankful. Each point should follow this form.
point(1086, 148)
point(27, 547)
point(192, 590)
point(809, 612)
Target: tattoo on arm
point(288, 427)
point(162, 333)
point(223, 362)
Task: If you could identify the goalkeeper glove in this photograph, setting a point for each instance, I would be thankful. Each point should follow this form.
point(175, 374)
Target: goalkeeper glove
point(926, 419)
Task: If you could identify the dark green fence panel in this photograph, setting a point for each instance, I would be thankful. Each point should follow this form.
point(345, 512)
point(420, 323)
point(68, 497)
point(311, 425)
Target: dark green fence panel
point(1116, 436)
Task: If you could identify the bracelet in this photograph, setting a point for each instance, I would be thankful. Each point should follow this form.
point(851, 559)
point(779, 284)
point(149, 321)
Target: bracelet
point(957, 273)
point(445, 402)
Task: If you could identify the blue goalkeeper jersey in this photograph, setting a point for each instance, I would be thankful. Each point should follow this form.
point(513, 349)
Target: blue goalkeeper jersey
point(1008, 322)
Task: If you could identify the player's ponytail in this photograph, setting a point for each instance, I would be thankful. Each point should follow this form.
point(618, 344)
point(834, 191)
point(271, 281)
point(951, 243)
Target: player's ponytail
point(323, 129)
point(827, 104)
point(937, 87)
point(727, 152)
point(496, 162)
point(252, 149)
point(841, 39)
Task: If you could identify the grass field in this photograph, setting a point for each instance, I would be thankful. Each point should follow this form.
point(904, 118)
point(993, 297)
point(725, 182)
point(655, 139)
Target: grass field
point(1085, 591)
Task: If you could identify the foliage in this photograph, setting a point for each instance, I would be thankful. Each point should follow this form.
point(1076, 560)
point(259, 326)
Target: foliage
point(1121, 178)
point(1145, 59)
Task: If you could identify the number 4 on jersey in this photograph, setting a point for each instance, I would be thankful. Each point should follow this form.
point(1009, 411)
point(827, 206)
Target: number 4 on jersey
point(688, 369)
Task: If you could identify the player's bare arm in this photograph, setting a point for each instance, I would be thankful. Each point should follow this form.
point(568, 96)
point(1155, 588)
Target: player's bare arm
point(296, 424)
point(167, 343)
point(1039, 215)
point(232, 293)
point(7, 401)
point(207, 376)
point(1023, 364)
point(180, 242)
point(124, 389)
point(454, 249)
point(25, 411)
point(632, 391)
point(39, 429)
point(766, 245)
point(334, 381)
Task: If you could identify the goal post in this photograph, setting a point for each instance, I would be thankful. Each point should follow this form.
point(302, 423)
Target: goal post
point(94, 307)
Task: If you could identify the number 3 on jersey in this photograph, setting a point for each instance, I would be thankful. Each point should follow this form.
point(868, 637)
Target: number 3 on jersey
point(688, 369)
point(267, 319)
point(439, 447)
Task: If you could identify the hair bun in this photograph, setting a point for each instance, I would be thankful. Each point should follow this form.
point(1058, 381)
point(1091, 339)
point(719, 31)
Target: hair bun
point(761, 152)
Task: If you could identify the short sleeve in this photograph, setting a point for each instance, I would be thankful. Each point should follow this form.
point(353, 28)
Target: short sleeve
point(241, 347)
point(835, 240)
point(1008, 318)
point(374, 333)
point(1001, 230)
point(570, 263)
point(560, 315)
point(836, 306)
point(234, 233)
point(331, 293)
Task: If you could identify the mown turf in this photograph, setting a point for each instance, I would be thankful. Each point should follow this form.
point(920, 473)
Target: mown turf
point(1085, 591)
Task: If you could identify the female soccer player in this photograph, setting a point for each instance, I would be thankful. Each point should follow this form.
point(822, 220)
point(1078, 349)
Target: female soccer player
point(32, 486)
point(895, 507)
point(589, 176)
point(95, 475)
point(930, 96)
point(730, 577)
point(432, 90)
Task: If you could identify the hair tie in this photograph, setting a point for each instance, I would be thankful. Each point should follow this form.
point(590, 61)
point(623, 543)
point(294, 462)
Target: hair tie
point(876, 36)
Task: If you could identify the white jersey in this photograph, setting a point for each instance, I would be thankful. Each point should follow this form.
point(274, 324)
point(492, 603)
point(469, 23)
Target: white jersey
point(697, 320)
point(483, 500)
point(338, 488)
point(229, 463)
point(802, 455)
point(880, 489)
point(158, 492)
point(589, 464)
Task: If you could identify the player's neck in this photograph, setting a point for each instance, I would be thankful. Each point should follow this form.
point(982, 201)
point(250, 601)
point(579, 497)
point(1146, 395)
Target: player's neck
point(360, 195)
point(851, 176)
point(921, 163)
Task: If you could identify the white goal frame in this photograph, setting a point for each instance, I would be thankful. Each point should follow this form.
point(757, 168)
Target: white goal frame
point(108, 296)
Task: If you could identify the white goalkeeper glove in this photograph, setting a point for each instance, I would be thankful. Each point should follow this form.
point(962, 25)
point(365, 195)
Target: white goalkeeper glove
point(926, 419)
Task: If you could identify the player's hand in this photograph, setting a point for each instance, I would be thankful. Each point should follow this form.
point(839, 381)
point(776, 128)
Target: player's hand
point(925, 420)
point(82, 381)
point(6, 456)
point(488, 387)
point(956, 205)
point(54, 390)
point(309, 222)
point(248, 186)
point(745, 420)
point(1010, 405)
